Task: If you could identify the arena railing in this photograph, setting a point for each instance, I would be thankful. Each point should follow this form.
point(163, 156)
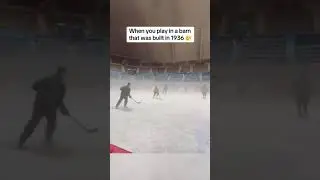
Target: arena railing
point(186, 77)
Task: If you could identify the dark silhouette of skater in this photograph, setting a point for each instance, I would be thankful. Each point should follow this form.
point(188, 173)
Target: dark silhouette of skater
point(204, 91)
point(165, 89)
point(156, 93)
point(125, 93)
point(302, 92)
point(50, 92)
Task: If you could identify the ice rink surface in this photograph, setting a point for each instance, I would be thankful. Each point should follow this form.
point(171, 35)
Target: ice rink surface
point(83, 157)
point(263, 138)
point(160, 166)
point(177, 123)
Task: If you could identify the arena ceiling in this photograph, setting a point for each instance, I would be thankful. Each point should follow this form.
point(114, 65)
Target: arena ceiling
point(70, 6)
point(160, 13)
point(231, 5)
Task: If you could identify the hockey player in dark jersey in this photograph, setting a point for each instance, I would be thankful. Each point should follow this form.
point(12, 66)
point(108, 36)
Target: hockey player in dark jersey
point(156, 93)
point(302, 93)
point(204, 91)
point(124, 95)
point(49, 98)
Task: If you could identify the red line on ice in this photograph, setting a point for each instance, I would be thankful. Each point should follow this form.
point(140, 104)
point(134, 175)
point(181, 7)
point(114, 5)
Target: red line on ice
point(116, 149)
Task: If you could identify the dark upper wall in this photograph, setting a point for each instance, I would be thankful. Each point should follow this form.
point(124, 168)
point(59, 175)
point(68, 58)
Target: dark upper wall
point(71, 6)
point(22, 16)
point(280, 16)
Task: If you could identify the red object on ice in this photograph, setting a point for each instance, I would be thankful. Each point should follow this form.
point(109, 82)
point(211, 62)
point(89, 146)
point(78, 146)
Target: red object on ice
point(116, 149)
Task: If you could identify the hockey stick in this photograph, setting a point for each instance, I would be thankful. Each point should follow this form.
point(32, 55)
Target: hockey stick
point(82, 126)
point(138, 102)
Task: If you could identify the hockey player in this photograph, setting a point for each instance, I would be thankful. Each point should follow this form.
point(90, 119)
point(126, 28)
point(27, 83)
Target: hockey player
point(49, 98)
point(204, 91)
point(165, 89)
point(156, 92)
point(125, 93)
point(302, 90)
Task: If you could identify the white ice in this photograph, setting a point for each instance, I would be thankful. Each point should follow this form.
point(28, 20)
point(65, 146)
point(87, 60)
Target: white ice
point(160, 167)
point(178, 123)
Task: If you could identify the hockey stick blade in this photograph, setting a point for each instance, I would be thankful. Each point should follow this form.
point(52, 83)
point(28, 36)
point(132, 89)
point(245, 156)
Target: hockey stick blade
point(82, 126)
point(93, 130)
point(138, 102)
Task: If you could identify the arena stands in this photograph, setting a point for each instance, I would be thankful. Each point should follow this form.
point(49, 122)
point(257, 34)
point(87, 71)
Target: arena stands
point(37, 54)
point(277, 32)
point(183, 72)
point(267, 49)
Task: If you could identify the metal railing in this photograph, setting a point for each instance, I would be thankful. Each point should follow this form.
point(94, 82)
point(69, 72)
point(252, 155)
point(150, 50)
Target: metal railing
point(182, 77)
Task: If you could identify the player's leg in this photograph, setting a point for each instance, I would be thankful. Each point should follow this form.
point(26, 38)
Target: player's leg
point(119, 101)
point(125, 102)
point(305, 107)
point(51, 126)
point(30, 127)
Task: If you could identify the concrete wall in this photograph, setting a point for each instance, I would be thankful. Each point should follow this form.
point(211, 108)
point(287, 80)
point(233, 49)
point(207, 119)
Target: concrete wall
point(160, 13)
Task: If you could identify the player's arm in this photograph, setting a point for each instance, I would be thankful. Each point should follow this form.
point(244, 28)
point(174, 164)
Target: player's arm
point(129, 93)
point(63, 108)
point(40, 84)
